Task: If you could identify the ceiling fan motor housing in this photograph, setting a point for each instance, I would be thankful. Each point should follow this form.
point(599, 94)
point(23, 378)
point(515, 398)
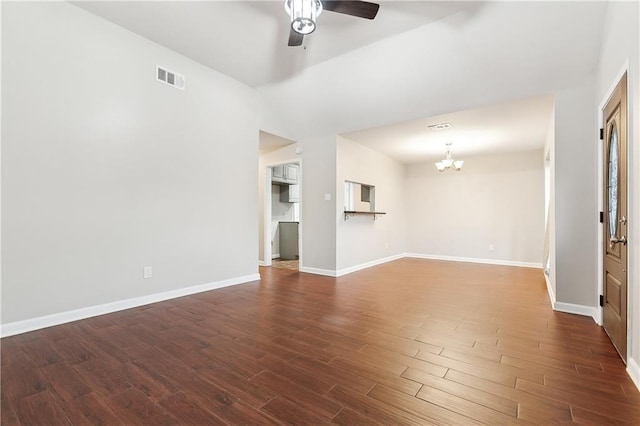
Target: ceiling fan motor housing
point(303, 14)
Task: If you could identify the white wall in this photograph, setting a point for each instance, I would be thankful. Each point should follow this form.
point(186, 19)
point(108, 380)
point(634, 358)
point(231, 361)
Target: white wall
point(106, 171)
point(576, 217)
point(318, 214)
point(494, 200)
point(620, 46)
point(360, 239)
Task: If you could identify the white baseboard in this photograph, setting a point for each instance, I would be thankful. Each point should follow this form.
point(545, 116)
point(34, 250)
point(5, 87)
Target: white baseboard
point(570, 308)
point(589, 311)
point(634, 371)
point(475, 260)
point(275, 256)
point(24, 326)
point(318, 271)
point(597, 317)
point(262, 263)
point(350, 269)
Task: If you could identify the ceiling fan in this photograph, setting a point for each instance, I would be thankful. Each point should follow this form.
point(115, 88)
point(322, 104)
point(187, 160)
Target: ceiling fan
point(303, 14)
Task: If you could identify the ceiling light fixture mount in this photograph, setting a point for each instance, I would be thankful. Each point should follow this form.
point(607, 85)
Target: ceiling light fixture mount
point(449, 162)
point(303, 14)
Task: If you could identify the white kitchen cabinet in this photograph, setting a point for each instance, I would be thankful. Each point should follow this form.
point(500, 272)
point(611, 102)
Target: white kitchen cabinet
point(286, 173)
point(291, 173)
point(277, 173)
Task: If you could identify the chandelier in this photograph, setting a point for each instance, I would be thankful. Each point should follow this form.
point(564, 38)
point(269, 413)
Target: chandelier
point(449, 162)
point(303, 14)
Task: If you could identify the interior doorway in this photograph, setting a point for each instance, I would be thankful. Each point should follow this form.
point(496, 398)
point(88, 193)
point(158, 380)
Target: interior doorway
point(283, 213)
point(615, 217)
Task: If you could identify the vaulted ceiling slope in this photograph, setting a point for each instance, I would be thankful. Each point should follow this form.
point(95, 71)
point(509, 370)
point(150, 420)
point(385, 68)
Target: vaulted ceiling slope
point(415, 60)
point(247, 40)
point(500, 52)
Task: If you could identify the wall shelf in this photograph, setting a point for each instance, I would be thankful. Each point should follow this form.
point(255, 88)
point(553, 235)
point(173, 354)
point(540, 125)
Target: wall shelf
point(350, 213)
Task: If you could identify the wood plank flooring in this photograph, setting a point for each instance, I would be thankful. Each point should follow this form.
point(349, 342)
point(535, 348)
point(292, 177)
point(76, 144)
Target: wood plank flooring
point(413, 342)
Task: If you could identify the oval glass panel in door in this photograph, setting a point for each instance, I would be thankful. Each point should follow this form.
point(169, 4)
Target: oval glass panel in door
point(612, 196)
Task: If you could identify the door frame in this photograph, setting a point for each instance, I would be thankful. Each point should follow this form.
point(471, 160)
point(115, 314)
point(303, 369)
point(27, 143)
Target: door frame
point(600, 194)
point(266, 250)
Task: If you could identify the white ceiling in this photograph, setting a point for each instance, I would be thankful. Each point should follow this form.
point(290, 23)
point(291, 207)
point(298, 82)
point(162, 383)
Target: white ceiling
point(512, 126)
point(463, 62)
point(247, 40)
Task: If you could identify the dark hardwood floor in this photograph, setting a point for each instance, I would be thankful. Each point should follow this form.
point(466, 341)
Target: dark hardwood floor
point(409, 342)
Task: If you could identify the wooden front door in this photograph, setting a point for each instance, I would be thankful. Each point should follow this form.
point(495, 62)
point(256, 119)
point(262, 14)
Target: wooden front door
point(615, 218)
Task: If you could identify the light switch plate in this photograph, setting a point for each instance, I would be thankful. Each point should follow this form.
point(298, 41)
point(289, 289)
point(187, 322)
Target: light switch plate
point(147, 272)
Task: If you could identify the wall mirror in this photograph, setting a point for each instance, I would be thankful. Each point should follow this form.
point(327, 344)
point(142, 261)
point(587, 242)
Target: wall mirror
point(359, 197)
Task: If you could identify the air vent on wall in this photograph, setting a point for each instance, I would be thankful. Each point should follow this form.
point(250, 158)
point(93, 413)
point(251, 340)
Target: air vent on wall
point(441, 126)
point(171, 78)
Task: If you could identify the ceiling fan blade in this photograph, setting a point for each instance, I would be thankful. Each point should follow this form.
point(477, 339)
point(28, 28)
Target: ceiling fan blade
point(361, 9)
point(295, 39)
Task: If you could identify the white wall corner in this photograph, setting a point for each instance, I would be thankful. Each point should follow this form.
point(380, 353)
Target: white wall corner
point(634, 371)
point(350, 269)
point(552, 295)
point(570, 308)
point(597, 317)
point(32, 324)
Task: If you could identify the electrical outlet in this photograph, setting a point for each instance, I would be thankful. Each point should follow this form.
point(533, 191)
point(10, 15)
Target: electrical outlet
point(147, 272)
point(386, 245)
point(491, 248)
